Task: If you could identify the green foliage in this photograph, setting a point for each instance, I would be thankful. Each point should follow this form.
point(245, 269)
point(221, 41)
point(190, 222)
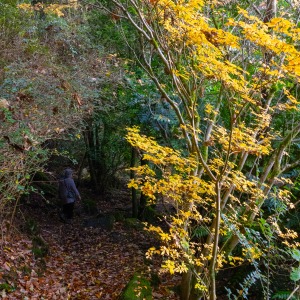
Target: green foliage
point(102, 30)
point(45, 100)
point(243, 292)
point(6, 287)
point(283, 295)
point(200, 231)
point(295, 253)
point(10, 19)
point(65, 76)
point(211, 106)
point(295, 274)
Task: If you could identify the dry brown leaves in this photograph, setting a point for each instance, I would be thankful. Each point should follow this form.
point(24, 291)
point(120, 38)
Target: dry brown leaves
point(82, 263)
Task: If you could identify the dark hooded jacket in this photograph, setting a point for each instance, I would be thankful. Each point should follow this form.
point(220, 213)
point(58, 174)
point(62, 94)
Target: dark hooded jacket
point(67, 189)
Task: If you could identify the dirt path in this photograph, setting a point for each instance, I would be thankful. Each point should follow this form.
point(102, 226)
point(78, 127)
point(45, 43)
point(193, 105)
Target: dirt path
point(80, 262)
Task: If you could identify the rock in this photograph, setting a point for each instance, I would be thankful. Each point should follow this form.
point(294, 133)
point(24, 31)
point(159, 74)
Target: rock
point(138, 288)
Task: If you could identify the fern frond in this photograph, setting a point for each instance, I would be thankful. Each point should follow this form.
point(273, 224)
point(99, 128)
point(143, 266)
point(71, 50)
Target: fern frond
point(200, 231)
point(283, 295)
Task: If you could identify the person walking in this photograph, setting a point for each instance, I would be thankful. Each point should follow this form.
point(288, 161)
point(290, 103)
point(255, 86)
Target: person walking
point(68, 194)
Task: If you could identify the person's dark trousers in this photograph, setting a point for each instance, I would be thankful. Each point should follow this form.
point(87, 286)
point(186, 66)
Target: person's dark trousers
point(68, 210)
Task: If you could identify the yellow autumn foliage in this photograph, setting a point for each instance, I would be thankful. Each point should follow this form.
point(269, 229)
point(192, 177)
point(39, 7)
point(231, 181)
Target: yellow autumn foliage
point(225, 103)
point(54, 9)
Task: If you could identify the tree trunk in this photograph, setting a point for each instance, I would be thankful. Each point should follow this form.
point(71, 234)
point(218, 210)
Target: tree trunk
point(89, 141)
point(143, 197)
point(185, 286)
point(270, 11)
point(81, 168)
point(133, 190)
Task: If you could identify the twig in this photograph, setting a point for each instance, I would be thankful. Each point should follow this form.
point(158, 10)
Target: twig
point(293, 292)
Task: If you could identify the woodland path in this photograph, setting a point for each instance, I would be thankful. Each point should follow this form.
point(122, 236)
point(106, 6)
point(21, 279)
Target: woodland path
point(80, 263)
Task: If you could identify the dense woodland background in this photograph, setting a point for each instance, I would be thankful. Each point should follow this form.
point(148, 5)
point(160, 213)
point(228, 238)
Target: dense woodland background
point(181, 121)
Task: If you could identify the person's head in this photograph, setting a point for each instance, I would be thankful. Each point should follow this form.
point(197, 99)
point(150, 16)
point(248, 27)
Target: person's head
point(68, 172)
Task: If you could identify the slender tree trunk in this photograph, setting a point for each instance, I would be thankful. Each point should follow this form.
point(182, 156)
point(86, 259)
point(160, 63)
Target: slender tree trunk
point(133, 190)
point(81, 168)
point(213, 262)
point(143, 198)
point(269, 15)
point(88, 134)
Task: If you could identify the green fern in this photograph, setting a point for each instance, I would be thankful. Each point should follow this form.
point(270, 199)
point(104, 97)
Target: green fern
point(200, 231)
point(245, 286)
point(283, 295)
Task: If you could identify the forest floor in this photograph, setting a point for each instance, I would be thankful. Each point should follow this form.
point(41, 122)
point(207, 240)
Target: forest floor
point(48, 259)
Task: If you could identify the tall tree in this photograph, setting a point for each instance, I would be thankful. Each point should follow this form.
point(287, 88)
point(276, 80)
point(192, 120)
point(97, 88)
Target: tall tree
point(228, 99)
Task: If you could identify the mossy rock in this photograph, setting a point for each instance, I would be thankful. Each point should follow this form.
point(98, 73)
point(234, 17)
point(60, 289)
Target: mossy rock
point(138, 288)
point(134, 223)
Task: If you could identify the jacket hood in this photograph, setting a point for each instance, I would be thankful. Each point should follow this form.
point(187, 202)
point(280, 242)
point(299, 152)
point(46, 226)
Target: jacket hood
point(68, 173)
